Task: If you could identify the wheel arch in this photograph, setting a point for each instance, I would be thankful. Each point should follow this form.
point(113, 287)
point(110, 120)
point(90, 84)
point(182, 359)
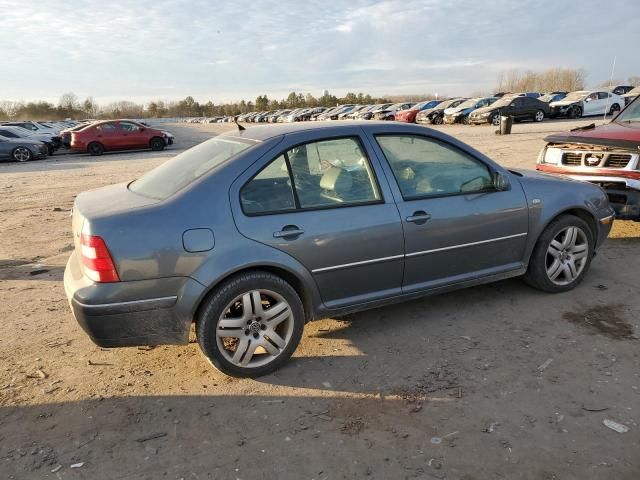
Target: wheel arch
point(582, 213)
point(292, 278)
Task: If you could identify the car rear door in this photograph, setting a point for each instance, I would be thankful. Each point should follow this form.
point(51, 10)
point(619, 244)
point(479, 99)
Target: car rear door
point(108, 134)
point(457, 226)
point(323, 200)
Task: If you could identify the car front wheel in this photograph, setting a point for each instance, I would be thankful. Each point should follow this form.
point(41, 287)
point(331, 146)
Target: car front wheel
point(437, 120)
point(251, 325)
point(22, 154)
point(615, 108)
point(575, 112)
point(157, 144)
point(495, 119)
point(562, 255)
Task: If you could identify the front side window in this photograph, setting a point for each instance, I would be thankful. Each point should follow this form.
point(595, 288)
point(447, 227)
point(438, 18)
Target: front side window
point(426, 167)
point(327, 173)
point(129, 127)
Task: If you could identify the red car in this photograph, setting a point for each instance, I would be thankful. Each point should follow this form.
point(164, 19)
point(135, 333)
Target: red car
point(608, 155)
point(409, 115)
point(99, 137)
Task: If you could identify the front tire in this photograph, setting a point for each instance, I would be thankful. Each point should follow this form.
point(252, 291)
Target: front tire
point(157, 144)
point(562, 255)
point(615, 108)
point(251, 324)
point(575, 112)
point(21, 154)
point(495, 119)
point(437, 120)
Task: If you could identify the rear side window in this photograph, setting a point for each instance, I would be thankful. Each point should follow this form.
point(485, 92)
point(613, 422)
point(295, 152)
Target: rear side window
point(425, 167)
point(323, 174)
point(106, 127)
point(184, 169)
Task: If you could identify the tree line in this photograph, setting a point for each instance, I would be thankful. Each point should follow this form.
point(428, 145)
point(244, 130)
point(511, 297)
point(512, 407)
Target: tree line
point(70, 106)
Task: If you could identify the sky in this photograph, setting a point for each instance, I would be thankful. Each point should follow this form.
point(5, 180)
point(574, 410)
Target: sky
point(227, 50)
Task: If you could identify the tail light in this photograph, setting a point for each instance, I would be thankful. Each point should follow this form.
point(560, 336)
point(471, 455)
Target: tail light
point(96, 260)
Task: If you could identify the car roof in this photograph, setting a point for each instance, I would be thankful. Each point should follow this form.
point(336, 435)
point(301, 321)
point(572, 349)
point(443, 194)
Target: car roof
point(265, 132)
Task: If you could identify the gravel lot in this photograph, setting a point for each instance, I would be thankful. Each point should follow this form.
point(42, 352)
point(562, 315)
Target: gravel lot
point(493, 382)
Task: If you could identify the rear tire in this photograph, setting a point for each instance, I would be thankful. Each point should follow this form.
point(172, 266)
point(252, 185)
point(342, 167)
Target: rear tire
point(232, 319)
point(562, 255)
point(157, 144)
point(539, 116)
point(95, 149)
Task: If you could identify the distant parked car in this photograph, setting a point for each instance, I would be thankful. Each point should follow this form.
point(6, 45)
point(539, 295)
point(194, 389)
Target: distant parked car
point(110, 135)
point(526, 94)
point(52, 143)
point(390, 112)
point(552, 97)
point(619, 89)
point(409, 115)
point(65, 135)
point(368, 113)
point(519, 108)
point(631, 95)
point(585, 102)
point(435, 115)
point(22, 149)
point(36, 127)
point(460, 114)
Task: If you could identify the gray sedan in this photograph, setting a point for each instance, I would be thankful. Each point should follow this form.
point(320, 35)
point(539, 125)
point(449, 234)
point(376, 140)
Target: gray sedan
point(255, 232)
point(22, 149)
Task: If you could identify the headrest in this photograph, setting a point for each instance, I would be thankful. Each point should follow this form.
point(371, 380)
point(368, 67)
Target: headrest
point(337, 180)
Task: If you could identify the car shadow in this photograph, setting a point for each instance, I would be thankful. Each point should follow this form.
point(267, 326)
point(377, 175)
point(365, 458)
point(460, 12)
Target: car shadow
point(30, 270)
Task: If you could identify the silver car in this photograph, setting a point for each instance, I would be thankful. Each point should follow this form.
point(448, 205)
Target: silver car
point(253, 233)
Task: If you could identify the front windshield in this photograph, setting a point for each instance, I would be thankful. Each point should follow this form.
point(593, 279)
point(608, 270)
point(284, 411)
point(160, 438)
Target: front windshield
point(631, 114)
point(635, 91)
point(426, 105)
point(184, 169)
point(502, 102)
point(573, 96)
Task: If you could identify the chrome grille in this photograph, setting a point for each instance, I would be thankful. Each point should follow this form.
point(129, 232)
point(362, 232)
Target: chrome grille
point(572, 158)
point(618, 160)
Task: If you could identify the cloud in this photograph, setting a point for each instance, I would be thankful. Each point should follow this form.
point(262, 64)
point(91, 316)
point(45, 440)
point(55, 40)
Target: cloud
point(155, 48)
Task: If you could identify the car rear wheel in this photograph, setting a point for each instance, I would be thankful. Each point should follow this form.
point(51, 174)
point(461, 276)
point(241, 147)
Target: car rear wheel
point(157, 144)
point(251, 324)
point(22, 154)
point(575, 112)
point(562, 255)
point(95, 148)
point(539, 116)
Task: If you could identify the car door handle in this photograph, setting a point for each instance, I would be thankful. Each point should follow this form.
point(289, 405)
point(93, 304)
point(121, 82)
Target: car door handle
point(418, 217)
point(290, 231)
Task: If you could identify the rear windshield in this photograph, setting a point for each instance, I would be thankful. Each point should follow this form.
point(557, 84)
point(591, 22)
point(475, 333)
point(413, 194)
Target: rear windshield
point(184, 169)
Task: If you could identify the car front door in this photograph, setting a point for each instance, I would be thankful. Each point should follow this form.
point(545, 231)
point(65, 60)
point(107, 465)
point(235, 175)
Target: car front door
point(324, 202)
point(592, 104)
point(457, 225)
point(517, 107)
point(132, 137)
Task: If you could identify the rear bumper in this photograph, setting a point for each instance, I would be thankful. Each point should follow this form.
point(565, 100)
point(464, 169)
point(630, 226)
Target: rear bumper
point(136, 313)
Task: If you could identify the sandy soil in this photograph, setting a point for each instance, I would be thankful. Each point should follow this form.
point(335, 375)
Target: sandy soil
point(493, 382)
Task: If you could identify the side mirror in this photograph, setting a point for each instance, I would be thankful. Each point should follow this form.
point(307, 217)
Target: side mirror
point(501, 182)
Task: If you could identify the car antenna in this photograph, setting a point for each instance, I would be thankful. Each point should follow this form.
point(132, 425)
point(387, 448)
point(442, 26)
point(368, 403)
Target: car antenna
point(240, 127)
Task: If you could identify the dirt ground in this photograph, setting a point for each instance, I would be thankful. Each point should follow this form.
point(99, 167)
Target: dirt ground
point(493, 382)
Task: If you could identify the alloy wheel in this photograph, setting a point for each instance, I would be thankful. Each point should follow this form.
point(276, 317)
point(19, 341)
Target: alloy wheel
point(567, 255)
point(495, 120)
point(22, 154)
point(255, 328)
point(539, 116)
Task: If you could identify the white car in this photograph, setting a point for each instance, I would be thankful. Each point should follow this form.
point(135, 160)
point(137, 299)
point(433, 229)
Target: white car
point(587, 102)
